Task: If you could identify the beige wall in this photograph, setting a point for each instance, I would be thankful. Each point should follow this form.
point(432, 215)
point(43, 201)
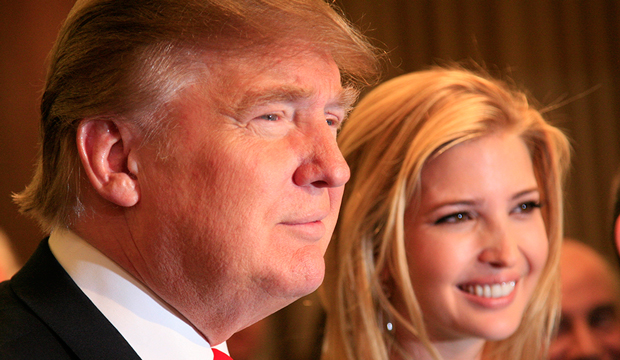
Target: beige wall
point(27, 31)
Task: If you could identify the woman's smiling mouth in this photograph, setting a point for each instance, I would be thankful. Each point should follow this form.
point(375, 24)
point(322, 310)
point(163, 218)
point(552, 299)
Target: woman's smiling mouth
point(496, 290)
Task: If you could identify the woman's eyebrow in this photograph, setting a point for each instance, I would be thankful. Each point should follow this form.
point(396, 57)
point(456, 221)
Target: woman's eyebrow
point(452, 203)
point(526, 192)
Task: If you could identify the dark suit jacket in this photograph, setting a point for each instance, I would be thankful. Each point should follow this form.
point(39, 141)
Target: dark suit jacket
point(44, 315)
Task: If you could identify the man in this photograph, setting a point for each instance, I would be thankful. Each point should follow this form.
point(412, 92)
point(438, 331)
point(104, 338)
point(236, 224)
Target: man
point(189, 175)
point(590, 323)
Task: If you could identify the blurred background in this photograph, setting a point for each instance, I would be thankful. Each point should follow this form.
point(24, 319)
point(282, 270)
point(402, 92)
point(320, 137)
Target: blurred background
point(565, 52)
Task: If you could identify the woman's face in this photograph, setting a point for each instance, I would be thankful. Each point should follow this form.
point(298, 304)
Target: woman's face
point(477, 244)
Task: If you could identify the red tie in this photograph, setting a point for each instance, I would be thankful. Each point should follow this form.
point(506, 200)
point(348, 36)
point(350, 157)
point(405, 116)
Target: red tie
point(218, 355)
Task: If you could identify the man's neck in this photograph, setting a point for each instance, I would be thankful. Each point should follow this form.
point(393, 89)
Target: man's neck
point(151, 327)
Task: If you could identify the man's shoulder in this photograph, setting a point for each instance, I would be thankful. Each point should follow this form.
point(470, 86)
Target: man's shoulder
point(45, 315)
point(22, 334)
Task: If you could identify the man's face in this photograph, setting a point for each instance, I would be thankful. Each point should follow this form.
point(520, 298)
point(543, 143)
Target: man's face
point(234, 219)
point(590, 325)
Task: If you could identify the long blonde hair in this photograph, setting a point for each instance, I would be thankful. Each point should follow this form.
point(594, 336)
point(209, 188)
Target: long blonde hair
point(387, 140)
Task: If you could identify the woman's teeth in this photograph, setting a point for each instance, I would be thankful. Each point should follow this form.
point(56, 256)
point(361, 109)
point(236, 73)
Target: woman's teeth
point(490, 290)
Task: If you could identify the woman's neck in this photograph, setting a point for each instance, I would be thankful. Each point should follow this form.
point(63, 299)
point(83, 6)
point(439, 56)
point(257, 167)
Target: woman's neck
point(468, 349)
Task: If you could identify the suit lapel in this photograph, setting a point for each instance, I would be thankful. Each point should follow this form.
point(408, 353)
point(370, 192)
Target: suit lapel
point(49, 291)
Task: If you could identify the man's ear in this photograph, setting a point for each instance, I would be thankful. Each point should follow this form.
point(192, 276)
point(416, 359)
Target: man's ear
point(107, 158)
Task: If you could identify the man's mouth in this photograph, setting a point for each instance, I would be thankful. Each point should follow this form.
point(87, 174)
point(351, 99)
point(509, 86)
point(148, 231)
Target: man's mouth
point(494, 291)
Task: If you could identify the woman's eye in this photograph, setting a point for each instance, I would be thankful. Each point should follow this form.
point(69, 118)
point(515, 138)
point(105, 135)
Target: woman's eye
point(527, 207)
point(454, 218)
point(269, 117)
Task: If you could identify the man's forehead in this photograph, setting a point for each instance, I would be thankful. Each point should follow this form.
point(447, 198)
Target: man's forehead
point(292, 76)
point(586, 293)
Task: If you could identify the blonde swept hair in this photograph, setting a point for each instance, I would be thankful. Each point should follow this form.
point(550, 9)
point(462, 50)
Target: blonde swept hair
point(128, 60)
point(390, 135)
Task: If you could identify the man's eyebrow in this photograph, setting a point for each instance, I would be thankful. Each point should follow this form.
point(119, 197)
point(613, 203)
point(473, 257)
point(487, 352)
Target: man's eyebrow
point(347, 97)
point(344, 99)
point(255, 98)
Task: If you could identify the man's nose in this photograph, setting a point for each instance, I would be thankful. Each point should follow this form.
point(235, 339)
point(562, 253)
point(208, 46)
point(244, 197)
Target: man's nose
point(584, 344)
point(323, 164)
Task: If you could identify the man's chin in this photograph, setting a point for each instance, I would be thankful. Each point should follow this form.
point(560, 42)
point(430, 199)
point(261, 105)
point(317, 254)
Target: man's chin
point(309, 270)
point(304, 276)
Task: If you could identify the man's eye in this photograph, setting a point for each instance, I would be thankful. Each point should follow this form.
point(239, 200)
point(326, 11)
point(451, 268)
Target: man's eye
point(527, 207)
point(269, 117)
point(602, 316)
point(334, 121)
point(454, 218)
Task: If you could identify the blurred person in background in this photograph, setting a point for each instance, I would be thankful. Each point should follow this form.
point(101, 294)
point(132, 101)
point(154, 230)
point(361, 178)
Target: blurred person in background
point(589, 328)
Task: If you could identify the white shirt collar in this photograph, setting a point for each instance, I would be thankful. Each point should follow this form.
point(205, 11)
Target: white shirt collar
point(149, 325)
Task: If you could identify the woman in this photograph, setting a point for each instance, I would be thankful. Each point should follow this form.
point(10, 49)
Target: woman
point(448, 240)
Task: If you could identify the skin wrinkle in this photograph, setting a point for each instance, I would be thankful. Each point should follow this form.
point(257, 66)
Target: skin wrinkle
point(255, 98)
